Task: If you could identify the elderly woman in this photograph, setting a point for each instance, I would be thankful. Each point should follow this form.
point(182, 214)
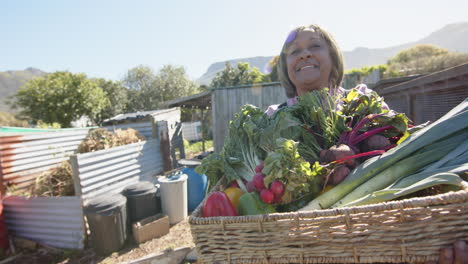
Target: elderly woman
point(310, 60)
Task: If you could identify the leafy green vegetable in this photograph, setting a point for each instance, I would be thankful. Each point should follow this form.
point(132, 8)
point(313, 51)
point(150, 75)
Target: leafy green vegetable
point(213, 167)
point(287, 165)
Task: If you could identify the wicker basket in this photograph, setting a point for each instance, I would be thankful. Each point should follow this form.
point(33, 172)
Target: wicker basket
point(411, 230)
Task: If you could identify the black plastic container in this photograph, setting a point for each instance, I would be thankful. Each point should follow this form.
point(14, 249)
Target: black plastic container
point(142, 201)
point(107, 217)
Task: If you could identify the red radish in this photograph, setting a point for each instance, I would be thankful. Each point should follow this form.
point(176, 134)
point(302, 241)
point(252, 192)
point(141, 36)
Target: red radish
point(267, 196)
point(259, 168)
point(234, 184)
point(258, 182)
point(250, 186)
point(278, 199)
point(277, 188)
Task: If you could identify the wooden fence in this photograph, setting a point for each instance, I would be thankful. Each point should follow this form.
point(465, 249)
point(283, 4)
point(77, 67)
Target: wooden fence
point(227, 101)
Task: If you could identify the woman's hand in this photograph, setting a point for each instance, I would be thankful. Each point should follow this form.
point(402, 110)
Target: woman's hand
point(458, 254)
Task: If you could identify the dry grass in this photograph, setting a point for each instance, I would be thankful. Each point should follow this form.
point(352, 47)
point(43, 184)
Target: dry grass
point(56, 182)
point(100, 138)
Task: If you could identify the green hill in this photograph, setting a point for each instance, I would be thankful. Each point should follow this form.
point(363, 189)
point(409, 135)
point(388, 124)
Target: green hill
point(11, 81)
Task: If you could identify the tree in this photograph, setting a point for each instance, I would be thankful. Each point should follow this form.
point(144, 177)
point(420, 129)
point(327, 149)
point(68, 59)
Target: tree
point(61, 97)
point(172, 82)
point(241, 75)
point(117, 95)
point(147, 91)
point(424, 58)
point(139, 81)
point(273, 67)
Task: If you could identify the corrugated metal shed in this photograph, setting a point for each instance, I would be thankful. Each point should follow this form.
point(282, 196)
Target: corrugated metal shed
point(55, 221)
point(161, 114)
point(201, 100)
point(430, 96)
point(111, 170)
point(142, 121)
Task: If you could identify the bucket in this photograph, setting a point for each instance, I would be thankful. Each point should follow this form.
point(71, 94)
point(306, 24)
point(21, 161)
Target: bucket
point(174, 197)
point(196, 188)
point(107, 219)
point(141, 201)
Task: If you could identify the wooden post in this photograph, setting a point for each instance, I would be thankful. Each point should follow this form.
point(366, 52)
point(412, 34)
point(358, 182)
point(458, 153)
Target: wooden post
point(203, 130)
point(165, 145)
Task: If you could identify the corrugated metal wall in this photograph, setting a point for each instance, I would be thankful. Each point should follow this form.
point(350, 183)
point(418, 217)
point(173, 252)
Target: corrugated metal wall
point(148, 129)
point(55, 221)
point(192, 130)
point(111, 170)
point(228, 101)
point(144, 128)
point(24, 157)
point(58, 221)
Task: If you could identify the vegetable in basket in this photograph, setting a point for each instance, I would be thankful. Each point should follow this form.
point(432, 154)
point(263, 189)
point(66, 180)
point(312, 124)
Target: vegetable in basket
point(452, 125)
point(251, 204)
point(291, 143)
point(218, 204)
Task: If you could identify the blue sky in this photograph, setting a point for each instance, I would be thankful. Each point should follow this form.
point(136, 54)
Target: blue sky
point(106, 38)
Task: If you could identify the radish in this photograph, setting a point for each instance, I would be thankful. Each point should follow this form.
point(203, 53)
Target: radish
point(258, 182)
point(259, 168)
point(267, 196)
point(234, 184)
point(250, 186)
point(278, 200)
point(277, 188)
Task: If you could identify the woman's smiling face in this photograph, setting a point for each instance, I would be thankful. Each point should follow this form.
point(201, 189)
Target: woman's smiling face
point(308, 61)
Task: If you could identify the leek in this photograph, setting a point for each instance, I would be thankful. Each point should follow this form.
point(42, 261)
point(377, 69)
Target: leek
point(403, 168)
point(414, 183)
point(452, 122)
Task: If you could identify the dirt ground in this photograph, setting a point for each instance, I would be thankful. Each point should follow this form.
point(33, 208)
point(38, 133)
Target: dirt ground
point(179, 236)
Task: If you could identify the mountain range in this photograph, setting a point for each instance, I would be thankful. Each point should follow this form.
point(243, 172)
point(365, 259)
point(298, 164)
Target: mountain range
point(11, 81)
point(452, 37)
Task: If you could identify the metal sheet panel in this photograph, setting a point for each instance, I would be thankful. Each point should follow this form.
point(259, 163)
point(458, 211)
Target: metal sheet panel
point(54, 221)
point(24, 157)
point(110, 170)
point(145, 128)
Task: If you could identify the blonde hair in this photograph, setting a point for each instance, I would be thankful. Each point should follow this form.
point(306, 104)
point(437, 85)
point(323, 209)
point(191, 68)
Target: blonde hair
point(336, 74)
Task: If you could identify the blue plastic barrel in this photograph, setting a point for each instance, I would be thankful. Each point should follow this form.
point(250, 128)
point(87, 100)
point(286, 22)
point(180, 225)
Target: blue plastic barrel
point(196, 188)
